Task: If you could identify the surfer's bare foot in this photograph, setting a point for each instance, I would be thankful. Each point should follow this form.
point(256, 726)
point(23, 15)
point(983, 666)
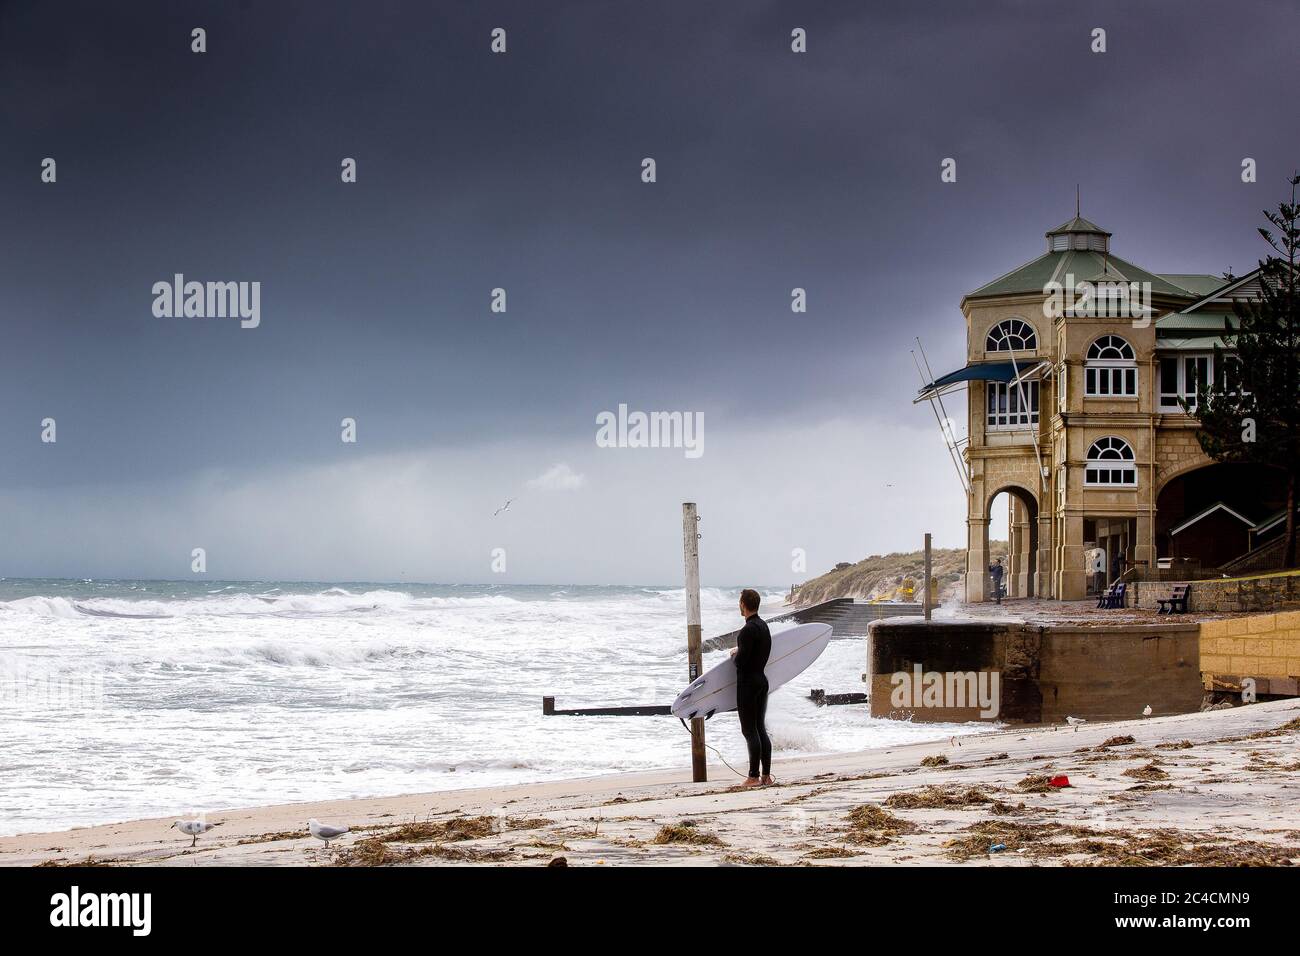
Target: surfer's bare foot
point(767, 780)
point(752, 782)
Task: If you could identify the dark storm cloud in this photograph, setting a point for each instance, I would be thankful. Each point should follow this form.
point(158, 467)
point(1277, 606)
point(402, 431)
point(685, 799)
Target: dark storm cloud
point(521, 171)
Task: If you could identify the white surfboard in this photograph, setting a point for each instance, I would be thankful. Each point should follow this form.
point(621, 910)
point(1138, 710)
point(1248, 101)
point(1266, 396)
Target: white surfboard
point(714, 691)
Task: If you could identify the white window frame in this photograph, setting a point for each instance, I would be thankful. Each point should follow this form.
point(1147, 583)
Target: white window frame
point(1109, 376)
point(1167, 398)
point(1002, 406)
point(1007, 325)
point(1111, 464)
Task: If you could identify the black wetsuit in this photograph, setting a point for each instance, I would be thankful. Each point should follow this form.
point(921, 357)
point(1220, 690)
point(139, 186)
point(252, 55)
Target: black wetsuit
point(754, 644)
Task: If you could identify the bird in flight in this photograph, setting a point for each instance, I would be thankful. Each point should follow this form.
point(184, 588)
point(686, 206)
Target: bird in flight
point(503, 507)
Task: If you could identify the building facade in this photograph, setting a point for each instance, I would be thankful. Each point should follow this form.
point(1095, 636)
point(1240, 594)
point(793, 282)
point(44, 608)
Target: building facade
point(1077, 363)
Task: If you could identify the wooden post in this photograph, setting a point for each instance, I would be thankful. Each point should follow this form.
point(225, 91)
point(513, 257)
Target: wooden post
point(926, 601)
point(694, 631)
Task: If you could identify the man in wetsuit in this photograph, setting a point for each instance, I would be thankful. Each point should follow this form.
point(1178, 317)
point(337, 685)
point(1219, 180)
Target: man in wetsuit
point(753, 645)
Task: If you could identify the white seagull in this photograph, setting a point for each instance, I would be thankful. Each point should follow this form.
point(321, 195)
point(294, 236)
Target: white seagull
point(1146, 711)
point(323, 831)
point(1075, 722)
point(193, 828)
point(503, 507)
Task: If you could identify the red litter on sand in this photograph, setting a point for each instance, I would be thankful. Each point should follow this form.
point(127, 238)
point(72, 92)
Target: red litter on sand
point(1059, 781)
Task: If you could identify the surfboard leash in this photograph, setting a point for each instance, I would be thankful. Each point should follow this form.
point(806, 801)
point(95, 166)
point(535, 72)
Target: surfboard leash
point(716, 751)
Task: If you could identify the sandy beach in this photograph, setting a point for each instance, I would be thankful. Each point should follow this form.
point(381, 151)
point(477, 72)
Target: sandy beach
point(1218, 787)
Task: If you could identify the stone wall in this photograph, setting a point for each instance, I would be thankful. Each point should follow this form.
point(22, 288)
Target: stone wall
point(1265, 647)
point(1177, 451)
point(1233, 595)
point(1044, 673)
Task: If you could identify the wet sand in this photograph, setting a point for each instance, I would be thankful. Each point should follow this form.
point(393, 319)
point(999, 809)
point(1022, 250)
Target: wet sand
point(1218, 787)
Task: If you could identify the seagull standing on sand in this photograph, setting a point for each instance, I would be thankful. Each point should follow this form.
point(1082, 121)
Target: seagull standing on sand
point(323, 831)
point(1146, 711)
point(1075, 722)
point(193, 828)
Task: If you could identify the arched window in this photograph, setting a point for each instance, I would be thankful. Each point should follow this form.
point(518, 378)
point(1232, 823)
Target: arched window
point(1011, 335)
point(1110, 348)
point(1110, 462)
point(1111, 369)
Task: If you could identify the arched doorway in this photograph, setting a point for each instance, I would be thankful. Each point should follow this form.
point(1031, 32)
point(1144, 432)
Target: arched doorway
point(1013, 510)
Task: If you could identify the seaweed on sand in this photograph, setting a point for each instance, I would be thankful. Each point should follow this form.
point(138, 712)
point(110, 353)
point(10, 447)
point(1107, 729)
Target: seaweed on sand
point(935, 797)
point(871, 825)
point(1033, 838)
point(91, 860)
point(753, 859)
point(275, 837)
point(374, 851)
point(687, 831)
point(1161, 847)
point(1150, 771)
point(1291, 726)
point(829, 853)
point(1170, 847)
point(457, 828)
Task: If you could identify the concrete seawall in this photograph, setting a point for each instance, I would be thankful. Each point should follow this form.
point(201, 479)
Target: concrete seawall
point(1038, 673)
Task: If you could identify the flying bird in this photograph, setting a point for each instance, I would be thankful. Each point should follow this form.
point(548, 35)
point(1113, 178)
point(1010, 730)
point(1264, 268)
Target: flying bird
point(503, 507)
point(323, 831)
point(193, 828)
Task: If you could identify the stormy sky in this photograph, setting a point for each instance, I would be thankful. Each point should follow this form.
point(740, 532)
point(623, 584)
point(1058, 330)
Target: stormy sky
point(522, 171)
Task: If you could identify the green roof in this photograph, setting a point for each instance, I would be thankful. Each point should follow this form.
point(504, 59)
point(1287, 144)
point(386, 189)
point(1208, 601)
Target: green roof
point(1193, 332)
point(1195, 283)
point(1078, 224)
point(1193, 322)
point(1083, 264)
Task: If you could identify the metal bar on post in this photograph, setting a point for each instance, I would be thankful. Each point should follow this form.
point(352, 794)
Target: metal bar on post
point(694, 630)
point(945, 430)
point(926, 601)
point(941, 413)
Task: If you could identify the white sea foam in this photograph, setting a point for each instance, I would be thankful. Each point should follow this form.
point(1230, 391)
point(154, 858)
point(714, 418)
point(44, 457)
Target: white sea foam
point(431, 687)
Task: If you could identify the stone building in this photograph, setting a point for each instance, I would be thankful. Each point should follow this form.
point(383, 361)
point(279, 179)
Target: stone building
point(1076, 365)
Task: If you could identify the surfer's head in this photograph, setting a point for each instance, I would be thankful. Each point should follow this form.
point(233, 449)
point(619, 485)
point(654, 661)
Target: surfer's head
point(749, 602)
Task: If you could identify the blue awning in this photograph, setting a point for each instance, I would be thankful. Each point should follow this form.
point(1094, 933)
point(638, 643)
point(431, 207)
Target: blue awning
point(980, 372)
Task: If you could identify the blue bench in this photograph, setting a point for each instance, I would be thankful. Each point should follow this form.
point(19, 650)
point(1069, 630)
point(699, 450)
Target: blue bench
point(1113, 596)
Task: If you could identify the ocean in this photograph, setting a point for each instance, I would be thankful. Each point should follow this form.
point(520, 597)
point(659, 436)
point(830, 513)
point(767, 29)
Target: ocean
point(128, 699)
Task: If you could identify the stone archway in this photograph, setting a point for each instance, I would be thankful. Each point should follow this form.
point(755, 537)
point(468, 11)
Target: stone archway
point(1023, 577)
point(1021, 565)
